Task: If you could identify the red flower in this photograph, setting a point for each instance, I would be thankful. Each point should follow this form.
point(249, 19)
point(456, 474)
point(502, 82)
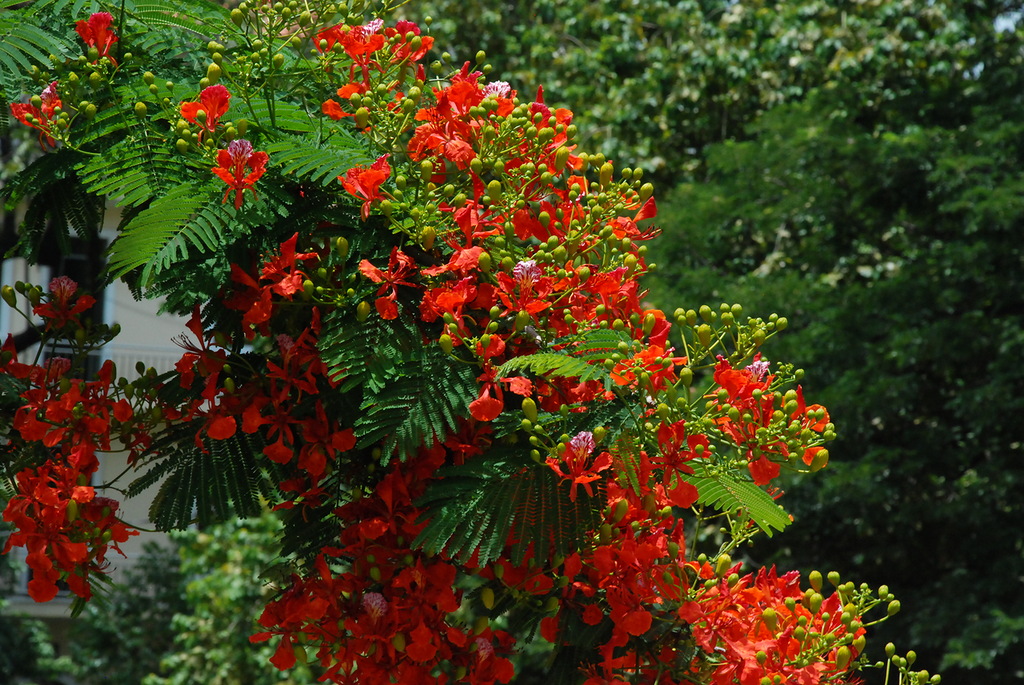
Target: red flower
point(213, 104)
point(358, 41)
point(400, 267)
point(233, 163)
point(97, 34)
point(41, 117)
point(365, 182)
point(62, 307)
point(577, 454)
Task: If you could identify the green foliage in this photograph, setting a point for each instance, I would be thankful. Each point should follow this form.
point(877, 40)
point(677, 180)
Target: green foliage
point(184, 613)
point(482, 505)
point(27, 656)
point(221, 570)
point(420, 404)
point(655, 82)
point(204, 486)
point(22, 44)
point(728, 494)
point(122, 638)
point(891, 237)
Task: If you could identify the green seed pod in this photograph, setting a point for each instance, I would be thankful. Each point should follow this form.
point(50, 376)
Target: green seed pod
point(646, 190)
point(363, 310)
point(619, 511)
point(704, 335)
point(530, 409)
point(341, 247)
point(820, 460)
point(561, 158)
point(494, 190)
point(72, 510)
point(427, 237)
point(723, 564)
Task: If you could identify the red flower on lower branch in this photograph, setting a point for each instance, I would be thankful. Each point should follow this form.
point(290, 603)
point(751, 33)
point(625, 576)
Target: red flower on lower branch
point(64, 527)
point(365, 183)
point(41, 117)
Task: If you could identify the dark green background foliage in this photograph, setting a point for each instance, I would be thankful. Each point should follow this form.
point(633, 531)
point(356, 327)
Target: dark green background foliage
point(857, 168)
point(185, 614)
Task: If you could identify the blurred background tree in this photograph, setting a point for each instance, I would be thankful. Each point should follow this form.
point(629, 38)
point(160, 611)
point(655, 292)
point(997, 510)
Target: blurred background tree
point(857, 167)
point(185, 614)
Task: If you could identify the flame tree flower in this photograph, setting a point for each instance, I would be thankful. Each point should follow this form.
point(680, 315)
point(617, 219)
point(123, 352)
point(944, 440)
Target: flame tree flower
point(213, 104)
point(40, 114)
point(233, 162)
point(96, 34)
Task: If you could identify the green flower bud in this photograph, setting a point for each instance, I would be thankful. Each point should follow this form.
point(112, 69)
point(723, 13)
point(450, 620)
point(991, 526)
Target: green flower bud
point(363, 310)
point(723, 564)
point(237, 17)
point(487, 597)
point(530, 409)
point(140, 109)
point(843, 655)
point(341, 247)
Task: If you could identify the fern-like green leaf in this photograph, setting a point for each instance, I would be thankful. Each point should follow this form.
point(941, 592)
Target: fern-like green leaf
point(294, 156)
point(553, 364)
point(206, 486)
point(420, 406)
point(726, 493)
point(151, 239)
point(24, 42)
point(202, 20)
point(133, 171)
point(596, 346)
point(500, 499)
